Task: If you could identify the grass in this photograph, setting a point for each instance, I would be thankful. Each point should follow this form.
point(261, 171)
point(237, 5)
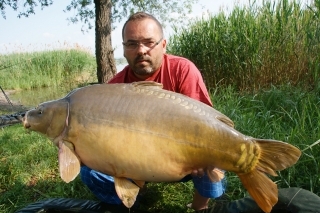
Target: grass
point(284, 113)
point(46, 68)
point(255, 46)
point(29, 169)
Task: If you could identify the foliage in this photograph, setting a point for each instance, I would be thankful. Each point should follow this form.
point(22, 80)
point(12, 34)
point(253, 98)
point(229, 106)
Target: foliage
point(46, 69)
point(27, 5)
point(84, 9)
point(255, 46)
point(122, 9)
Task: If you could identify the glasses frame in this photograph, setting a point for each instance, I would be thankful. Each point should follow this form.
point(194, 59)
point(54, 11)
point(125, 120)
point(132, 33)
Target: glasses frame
point(139, 43)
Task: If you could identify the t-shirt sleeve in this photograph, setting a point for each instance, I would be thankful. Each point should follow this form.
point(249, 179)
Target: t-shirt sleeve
point(191, 82)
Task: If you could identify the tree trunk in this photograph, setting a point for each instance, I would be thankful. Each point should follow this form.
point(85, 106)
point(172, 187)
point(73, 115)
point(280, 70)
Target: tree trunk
point(106, 65)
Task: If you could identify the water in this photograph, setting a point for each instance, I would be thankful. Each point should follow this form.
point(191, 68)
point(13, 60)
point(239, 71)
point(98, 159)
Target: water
point(31, 98)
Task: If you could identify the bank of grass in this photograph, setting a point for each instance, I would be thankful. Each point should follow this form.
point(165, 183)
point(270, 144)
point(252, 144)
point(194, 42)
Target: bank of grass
point(29, 168)
point(255, 46)
point(29, 172)
point(29, 70)
point(283, 113)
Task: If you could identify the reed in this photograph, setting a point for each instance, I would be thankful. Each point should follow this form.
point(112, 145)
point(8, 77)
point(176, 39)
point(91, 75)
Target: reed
point(255, 46)
point(46, 68)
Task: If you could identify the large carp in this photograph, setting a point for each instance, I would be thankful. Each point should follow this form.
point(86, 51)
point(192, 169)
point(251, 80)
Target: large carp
point(142, 132)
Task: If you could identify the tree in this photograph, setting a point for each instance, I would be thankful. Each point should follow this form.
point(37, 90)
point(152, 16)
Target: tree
point(106, 13)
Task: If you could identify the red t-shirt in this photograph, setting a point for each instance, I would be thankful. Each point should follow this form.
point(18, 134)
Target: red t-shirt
point(177, 74)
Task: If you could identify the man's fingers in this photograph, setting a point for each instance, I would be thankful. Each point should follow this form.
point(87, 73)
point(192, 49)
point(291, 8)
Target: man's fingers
point(197, 172)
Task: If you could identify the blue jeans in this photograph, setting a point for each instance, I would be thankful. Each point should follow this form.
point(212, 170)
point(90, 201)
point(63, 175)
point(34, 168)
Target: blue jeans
point(102, 185)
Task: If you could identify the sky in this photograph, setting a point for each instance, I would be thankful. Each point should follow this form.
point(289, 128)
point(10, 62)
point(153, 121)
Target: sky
point(49, 28)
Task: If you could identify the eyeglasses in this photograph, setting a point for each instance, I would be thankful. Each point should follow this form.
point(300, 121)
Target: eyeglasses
point(132, 45)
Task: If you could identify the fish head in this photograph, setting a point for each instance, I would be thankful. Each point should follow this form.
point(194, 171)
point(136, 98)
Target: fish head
point(49, 118)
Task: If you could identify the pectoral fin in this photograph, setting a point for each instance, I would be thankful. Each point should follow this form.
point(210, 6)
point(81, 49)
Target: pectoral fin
point(126, 190)
point(69, 163)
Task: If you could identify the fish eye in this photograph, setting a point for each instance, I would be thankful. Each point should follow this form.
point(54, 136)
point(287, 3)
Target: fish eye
point(40, 110)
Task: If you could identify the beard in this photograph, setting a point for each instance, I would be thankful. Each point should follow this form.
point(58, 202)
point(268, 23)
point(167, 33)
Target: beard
point(144, 65)
point(146, 70)
point(142, 69)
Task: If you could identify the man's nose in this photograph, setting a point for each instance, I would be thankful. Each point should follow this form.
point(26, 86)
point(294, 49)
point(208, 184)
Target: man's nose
point(141, 49)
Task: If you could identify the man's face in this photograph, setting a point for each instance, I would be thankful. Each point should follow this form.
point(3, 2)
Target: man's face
point(143, 47)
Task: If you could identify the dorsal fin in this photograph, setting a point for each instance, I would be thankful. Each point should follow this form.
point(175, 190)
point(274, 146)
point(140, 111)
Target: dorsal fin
point(226, 120)
point(147, 84)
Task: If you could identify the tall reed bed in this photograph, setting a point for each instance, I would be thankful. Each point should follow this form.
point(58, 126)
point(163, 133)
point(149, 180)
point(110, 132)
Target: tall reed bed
point(45, 68)
point(255, 46)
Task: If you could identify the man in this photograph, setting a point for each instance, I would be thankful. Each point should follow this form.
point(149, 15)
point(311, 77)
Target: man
point(144, 48)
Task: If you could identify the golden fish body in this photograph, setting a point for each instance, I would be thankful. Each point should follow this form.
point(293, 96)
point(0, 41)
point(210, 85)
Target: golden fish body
point(142, 132)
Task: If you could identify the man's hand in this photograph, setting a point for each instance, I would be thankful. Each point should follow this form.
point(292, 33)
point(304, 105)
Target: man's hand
point(197, 172)
point(214, 174)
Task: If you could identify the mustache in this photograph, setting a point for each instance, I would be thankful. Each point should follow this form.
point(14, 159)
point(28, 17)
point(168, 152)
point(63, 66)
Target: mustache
point(142, 58)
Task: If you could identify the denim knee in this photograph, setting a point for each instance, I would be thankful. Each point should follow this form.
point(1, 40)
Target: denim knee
point(209, 189)
point(101, 185)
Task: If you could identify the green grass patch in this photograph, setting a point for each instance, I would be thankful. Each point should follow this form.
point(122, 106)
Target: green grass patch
point(29, 170)
point(46, 69)
point(283, 113)
point(29, 167)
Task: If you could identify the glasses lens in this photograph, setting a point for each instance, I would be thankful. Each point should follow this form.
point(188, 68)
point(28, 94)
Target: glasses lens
point(148, 44)
point(130, 45)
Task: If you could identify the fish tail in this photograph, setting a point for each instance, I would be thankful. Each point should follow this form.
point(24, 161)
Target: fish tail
point(274, 156)
point(261, 188)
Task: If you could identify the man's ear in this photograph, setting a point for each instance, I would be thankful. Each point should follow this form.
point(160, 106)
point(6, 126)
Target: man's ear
point(164, 45)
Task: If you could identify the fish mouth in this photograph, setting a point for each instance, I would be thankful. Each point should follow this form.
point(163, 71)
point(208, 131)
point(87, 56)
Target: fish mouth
point(25, 123)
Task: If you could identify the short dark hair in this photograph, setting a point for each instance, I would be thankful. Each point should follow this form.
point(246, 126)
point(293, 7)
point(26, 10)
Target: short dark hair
point(141, 16)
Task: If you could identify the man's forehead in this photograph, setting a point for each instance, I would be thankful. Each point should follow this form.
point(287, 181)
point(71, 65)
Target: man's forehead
point(141, 30)
point(143, 25)
point(142, 21)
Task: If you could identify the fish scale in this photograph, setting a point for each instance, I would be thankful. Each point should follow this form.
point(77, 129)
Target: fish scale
point(142, 132)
